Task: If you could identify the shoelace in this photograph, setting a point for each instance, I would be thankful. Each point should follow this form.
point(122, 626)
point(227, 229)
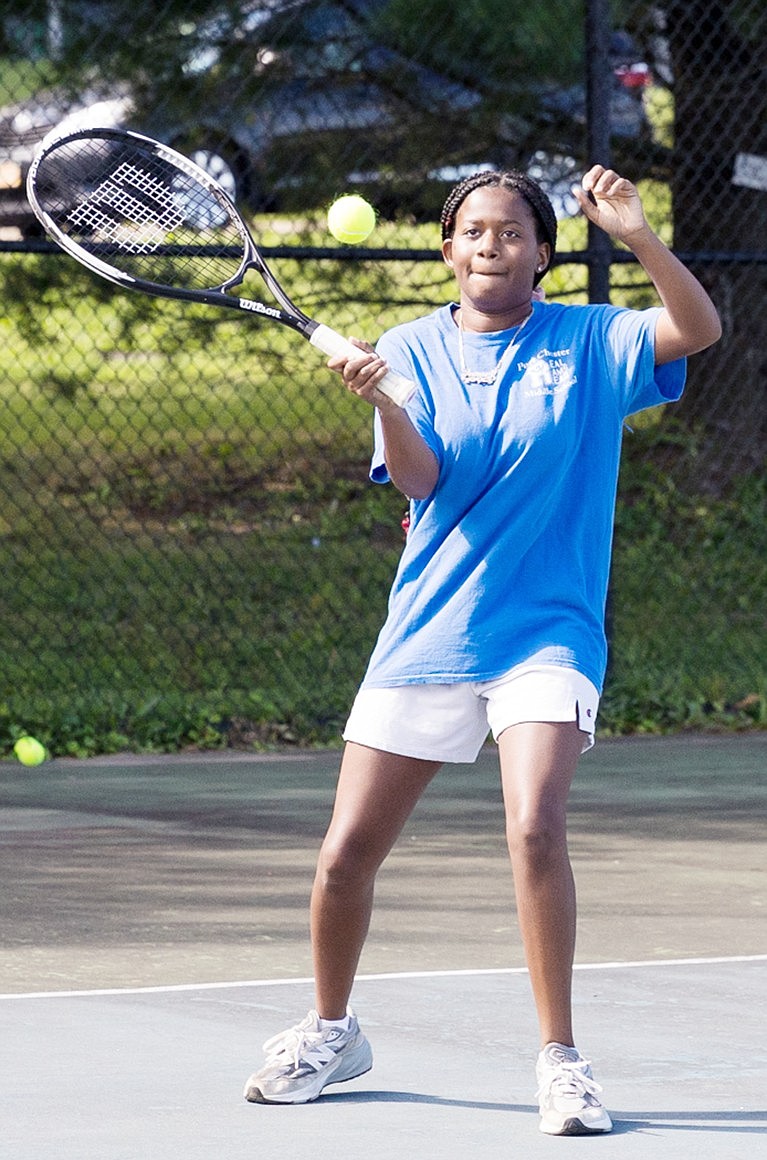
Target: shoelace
point(570, 1078)
point(298, 1045)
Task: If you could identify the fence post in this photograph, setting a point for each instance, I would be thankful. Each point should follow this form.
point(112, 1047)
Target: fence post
point(599, 245)
point(598, 89)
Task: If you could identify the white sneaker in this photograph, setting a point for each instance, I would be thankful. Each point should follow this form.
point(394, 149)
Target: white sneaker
point(567, 1094)
point(302, 1061)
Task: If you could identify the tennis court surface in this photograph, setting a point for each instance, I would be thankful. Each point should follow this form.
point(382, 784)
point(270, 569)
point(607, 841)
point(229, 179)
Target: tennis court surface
point(154, 917)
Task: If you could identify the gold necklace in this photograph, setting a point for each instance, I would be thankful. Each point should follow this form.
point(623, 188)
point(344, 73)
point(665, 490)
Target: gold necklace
point(487, 378)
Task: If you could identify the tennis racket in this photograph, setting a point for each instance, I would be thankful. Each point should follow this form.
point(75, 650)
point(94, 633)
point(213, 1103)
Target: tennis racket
point(143, 216)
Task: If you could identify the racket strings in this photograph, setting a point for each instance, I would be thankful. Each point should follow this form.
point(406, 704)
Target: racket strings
point(131, 209)
point(141, 214)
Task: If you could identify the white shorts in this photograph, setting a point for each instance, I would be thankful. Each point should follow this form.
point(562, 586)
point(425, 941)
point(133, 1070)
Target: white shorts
point(451, 722)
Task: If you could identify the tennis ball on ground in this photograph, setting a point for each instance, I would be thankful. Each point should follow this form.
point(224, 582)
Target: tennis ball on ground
point(29, 751)
point(351, 219)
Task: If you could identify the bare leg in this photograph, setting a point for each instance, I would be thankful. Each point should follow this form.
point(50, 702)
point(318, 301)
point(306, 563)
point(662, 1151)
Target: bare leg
point(376, 794)
point(538, 761)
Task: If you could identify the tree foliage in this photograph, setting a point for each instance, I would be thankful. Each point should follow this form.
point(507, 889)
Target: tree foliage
point(493, 43)
point(172, 52)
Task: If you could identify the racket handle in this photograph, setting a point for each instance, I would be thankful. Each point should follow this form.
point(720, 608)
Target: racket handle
point(398, 388)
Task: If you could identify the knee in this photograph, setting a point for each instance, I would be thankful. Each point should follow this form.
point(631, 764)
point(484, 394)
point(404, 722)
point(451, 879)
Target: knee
point(536, 840)
point(345, 862)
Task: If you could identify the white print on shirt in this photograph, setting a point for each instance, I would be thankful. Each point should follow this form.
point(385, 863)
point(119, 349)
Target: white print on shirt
point(549, 372)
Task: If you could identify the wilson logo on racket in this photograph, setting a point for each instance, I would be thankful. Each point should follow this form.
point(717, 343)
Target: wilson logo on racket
point(259, 307)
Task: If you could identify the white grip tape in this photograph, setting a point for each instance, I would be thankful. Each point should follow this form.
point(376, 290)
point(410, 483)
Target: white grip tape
point(331, 343)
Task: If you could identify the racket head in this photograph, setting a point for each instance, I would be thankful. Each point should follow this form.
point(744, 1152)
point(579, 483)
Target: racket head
point(141, 215)
point(138, 213)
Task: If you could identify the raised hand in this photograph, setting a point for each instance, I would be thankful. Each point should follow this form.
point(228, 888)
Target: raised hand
point(616, 207)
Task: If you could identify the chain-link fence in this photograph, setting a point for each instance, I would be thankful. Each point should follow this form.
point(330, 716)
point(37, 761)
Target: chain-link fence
point(192, 552)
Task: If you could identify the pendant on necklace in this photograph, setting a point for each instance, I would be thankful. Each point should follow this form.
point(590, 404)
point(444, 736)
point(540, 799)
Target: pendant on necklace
point(487, 378)
point(474, 379)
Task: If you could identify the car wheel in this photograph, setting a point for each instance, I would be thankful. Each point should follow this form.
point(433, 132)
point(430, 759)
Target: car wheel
point(225, 164)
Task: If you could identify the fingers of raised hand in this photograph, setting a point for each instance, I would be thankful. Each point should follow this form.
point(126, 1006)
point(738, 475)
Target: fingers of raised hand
point(605, 183)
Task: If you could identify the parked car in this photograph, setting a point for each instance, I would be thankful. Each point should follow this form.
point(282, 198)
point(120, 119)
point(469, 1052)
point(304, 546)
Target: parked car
point(305, 126)
point(299, 147)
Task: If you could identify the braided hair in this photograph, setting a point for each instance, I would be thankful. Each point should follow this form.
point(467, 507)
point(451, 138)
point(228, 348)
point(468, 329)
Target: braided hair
point(517, 182)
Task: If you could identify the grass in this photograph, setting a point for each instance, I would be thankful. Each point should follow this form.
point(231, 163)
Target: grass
point(689, 585)
point(21, 78)
point(193, 555)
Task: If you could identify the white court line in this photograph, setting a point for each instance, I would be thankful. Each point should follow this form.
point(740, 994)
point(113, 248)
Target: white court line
point(175, 988)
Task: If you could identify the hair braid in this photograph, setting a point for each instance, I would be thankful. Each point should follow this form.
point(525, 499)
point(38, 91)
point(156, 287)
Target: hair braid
point(531, 191)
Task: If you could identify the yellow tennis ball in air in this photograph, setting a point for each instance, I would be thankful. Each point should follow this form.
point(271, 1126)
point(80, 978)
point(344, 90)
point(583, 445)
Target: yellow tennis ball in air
point(351, 219)
point(29, 751)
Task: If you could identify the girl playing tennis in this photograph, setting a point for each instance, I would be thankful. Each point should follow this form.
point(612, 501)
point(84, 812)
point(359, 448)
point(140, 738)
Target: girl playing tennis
point(509, 455)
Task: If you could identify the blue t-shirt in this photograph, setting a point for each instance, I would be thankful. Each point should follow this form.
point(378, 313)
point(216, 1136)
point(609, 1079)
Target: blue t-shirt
point(507, 560)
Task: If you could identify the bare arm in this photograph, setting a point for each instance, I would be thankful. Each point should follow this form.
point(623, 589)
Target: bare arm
point(411, 464)
point(689, 321)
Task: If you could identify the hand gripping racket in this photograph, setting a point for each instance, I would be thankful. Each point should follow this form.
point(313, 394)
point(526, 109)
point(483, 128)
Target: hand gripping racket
point(143, 216)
